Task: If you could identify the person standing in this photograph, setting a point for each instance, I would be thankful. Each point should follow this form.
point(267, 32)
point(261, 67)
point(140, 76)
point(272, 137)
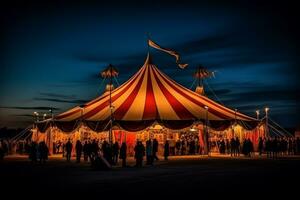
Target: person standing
point(149, 152)
point(155, 149)
point(85, 151)
point(166, 150)
point(43, 152)
point(78, 149)
point(68, 148)
point(232, 147)
point(237, 146)
point(178, 144)
point(297, 145)
point(33, 152)
point(115, 152)
point(123, 153)
point(260, 146)
point(139, 154)
point(1, 151)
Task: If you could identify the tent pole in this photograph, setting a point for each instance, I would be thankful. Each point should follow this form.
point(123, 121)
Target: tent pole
point(267, 133)
point(199, 76)
point(110, 106)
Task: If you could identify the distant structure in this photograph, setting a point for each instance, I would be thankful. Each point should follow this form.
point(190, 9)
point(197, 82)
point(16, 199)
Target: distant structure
point(109, 73)
point(200, 74)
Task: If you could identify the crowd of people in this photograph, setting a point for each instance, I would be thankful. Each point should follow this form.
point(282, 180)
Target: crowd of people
point(186, 145)
point(90, 150)
point(38, 152)
point(272, 147)
point(277, 146)
point(13, 147)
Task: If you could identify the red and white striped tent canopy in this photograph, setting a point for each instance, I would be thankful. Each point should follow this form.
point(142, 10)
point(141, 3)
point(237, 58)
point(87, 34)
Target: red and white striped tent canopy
point(151, 96)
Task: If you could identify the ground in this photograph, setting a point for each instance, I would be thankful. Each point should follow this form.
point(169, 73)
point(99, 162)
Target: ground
point(179, 176)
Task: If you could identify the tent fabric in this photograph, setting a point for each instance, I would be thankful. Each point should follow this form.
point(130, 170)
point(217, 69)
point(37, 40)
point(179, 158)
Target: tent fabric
point(43, 126)
point(67, 126)
point(149, 96)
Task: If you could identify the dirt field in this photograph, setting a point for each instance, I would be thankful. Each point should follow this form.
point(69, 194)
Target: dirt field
point(180, 176)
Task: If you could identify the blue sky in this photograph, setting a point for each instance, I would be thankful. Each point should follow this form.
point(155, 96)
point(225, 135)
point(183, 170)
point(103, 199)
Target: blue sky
point(52, 52)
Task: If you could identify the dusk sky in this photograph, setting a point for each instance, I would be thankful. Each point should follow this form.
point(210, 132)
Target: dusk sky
point(52, 53)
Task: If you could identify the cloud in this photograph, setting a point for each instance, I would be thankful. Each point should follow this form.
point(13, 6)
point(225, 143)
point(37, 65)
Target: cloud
point(271, 95)
point(64, 96)
point(75, 101)
point(218, 91)
point(29, 108)
point(23, 115)
point(206, 44)
point(94, 57)
point(60, 98)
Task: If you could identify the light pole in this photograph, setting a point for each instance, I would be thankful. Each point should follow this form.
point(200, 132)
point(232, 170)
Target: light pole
point(51, 112)
point(257, 127)
point(235, 122)
point(44, 116)
point(206, 130)
point(36, 114)
point(110, 108)
point(79, 129)
point(110, 125)
point(257, 114)
point(267, 125)
point(235, 110)
point(81, 112)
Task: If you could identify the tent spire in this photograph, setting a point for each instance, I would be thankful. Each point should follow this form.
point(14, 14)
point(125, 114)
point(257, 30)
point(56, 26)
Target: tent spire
point(148, 38)
point(110, 72)
point(200, 74)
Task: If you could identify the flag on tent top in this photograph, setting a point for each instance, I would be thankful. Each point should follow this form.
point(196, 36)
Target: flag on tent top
point(171, 52)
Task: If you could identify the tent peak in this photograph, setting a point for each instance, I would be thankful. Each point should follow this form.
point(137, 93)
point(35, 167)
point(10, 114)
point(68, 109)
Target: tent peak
point(148, 59)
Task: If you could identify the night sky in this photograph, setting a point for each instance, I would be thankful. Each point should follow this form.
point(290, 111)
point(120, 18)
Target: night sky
point(52, 53)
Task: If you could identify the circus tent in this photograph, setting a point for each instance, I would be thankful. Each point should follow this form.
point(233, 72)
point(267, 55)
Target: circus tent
point(149, 97)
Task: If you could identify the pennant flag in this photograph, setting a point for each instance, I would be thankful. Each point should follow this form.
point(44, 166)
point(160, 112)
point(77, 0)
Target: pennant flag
point(171, 52)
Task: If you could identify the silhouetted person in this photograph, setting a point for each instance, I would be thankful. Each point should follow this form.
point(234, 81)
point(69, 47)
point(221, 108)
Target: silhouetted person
point(155, 149)
point(43, 152)
point(222, 147)
point(115, 151)
point(94, 149)
point(123, 154)
point(107, 152)
point(78, 148)
point(297, 145)
point(260, 146)
point(237, 146)
point(63, 150)
point(245, 147)
point(183, 146)
point(33, 152)
point(1, 150)
point(227, 146)
point(85, 151)
point(178, 145)
point(149, 152)
point(139, 153)
point(290, 146)
point(192, 147)
point(251, 147)
point(166, 150)
point(172, 146)
point(68, 148)
point(232, 147)
point(274, 147)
